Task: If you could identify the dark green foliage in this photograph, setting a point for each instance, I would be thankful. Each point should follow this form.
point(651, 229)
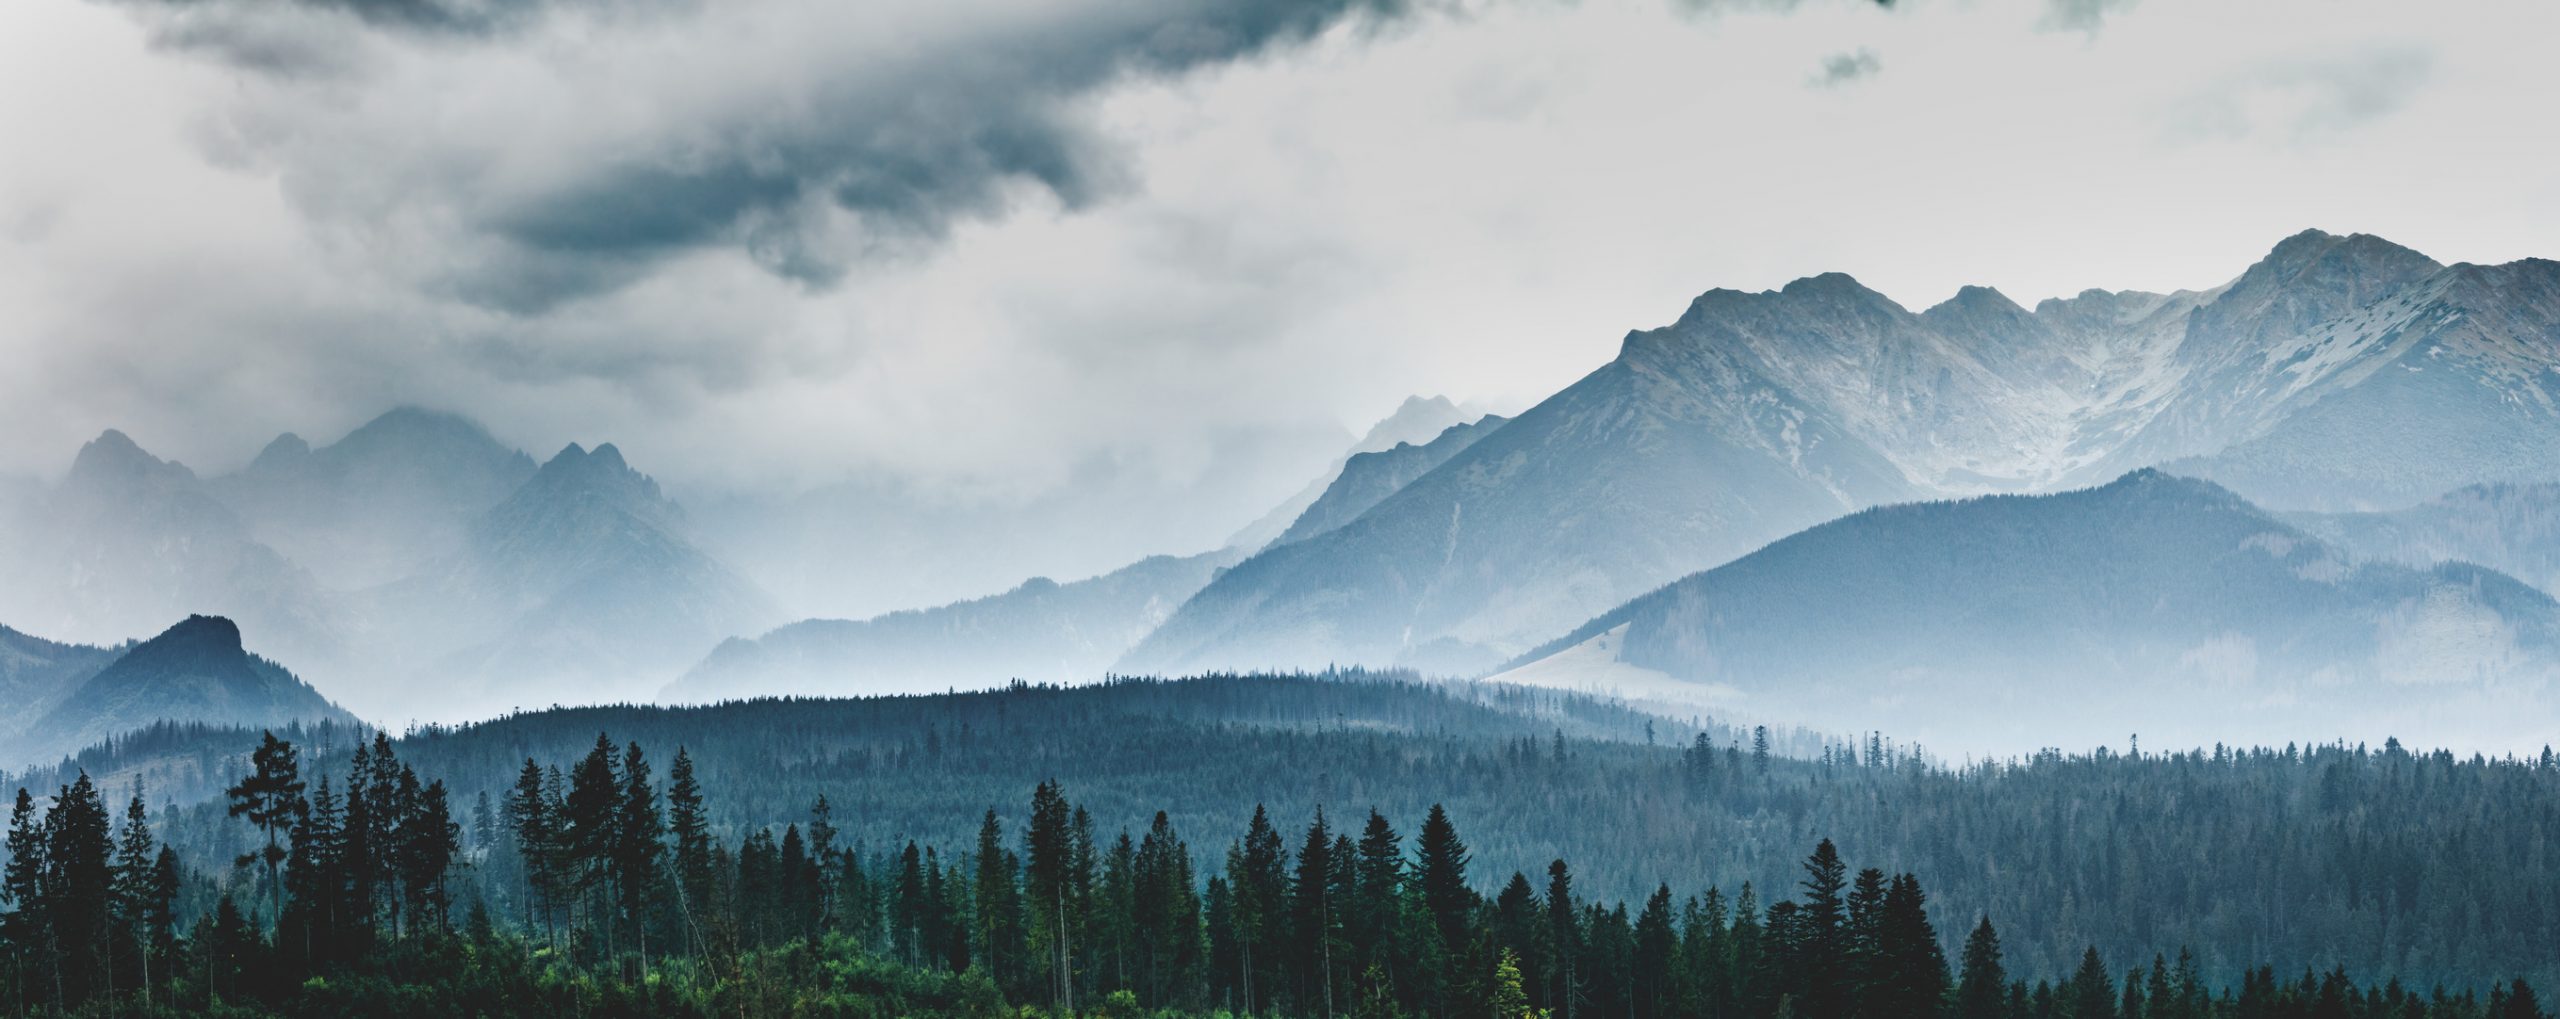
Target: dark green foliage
point(812, 905)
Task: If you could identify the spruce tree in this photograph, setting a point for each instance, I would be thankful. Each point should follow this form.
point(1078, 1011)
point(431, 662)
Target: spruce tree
point(692, 833)
point(1313, 923)
point(25, 929)
point(1982, 990)
point(638, 828)
point(1821, 937)
point(999, 909)
point(2091, 992)
point(79, 891)
point(1442, 871)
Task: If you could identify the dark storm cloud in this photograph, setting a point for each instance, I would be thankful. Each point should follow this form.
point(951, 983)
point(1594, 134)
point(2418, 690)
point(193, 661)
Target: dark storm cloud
point(916, 128)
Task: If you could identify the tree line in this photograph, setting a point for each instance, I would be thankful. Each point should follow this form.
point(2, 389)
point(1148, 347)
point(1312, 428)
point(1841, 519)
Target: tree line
point(594, 886)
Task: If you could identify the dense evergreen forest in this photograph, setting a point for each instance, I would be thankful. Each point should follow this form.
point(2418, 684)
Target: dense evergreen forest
point(1265, 844)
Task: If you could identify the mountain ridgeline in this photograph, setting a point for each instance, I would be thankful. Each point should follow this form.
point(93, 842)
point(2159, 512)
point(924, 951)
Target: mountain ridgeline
point(2364, 415)
point(2339, 373)
point(2015, 622)
point(195, 672)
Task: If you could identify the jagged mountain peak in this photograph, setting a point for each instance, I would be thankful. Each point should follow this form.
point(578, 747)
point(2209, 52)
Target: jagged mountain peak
point(601, 469)
point(1980, 308)
point(196, 638)
point(409, 430)
point(2349, 270)
point(113, 457)
point(286, 452)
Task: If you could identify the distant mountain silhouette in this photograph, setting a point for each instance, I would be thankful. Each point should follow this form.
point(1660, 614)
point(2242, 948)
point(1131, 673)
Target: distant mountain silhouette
point(2155, 604)
point(195, 671)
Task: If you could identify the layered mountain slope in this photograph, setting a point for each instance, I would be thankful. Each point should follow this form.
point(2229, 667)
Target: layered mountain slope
point(36, 674)
point(195, 671)
point(1418, 419)
point(377, 504)
point(1042, 631)
point(2157, 605)
point(128, 541)
point(1687, 450)
point(2338, 370)
point(1045, 631)
point(1367, 479)
point(582, 584)
point(2514, 529)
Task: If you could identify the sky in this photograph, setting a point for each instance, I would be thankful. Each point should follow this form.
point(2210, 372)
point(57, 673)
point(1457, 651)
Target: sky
point(1154, 260)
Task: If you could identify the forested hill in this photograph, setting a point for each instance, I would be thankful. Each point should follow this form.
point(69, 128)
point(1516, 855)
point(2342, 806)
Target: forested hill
point(2414, 864)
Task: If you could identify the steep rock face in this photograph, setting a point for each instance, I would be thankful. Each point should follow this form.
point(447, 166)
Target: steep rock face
point(2338, 371)
point(196, 671)
point(2449, 381)
point(2000, 621)
point(1042, 631)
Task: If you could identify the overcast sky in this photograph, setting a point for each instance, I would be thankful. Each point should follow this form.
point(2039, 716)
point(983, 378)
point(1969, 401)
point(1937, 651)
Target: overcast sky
point(982, 246)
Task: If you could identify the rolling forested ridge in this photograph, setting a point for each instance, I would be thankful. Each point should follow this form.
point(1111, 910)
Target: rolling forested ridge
point(1349, 844)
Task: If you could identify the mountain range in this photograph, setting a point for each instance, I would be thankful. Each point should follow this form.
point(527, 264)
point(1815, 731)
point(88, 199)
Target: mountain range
point(2338, 373)
point(452, 576)
point(2382, 417)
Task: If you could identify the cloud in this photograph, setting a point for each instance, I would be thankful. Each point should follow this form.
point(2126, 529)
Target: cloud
point(1842, 68)
point(2080, 15)
point(808, 134)
point(2304, 100)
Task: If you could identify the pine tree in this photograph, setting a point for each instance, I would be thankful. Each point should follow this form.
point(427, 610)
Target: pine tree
point(428, 841)
point(1442, 867)
point(270, 797)
point(692, 832)
point(1312, 921)
point(637, 829)
point(136, 852)
point(25, 930)
point(589, 837)
point(1258, 877)
point(2091, 991)
point(999, 909)
point(1908, 971)
point(1657, 945)
point(79, 892)
point(1564, 977)
point(537, 836)
point(1822, 937)
point(1379, 893)
point(1048, 857)
point(1982, 991)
